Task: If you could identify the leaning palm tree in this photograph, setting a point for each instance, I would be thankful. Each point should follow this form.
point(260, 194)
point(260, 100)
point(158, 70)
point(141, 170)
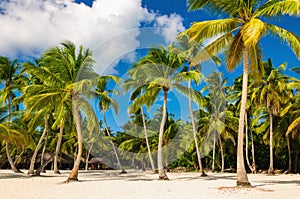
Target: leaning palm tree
point(240, 35)
point(66, 74)
point(42, 98)
point(159, 71)
point(105, 102)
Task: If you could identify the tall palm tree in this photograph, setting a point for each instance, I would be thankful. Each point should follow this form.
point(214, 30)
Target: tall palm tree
point(273, 94)
point(189, 50)
point(139, 86)
point(293, 108)
point(42, 99)
point(159, 70)
point(219, 122)
point(241, 33)
point(105, 103)
point(9, 74)
point(234, 97)
point(66, 74)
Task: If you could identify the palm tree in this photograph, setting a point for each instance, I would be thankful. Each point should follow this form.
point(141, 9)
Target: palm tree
point(66, 76)
point(241, 33)
point(9, 74)
point(294, 107)
point(234, 97)
point(38, 146)
point(105, 103)
point(41, 98)
point(139, 86)
point(159, 71)
point(219, 122)
point(133, 143)
point(189, 50)
point(273, 94)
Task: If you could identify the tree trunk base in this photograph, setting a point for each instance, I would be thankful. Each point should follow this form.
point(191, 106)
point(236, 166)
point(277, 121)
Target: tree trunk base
point(271, 172)
point(30, 173)
point(287, 172)
point(71, 180)
point(163, 177)
point(243, 184)
point(155, 171)
point(18, 171)
point(57, 172)
point(203, 174)
point(123, 171)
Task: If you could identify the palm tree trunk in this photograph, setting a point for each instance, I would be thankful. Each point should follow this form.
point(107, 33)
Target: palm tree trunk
point(37, 148)
point(252, 150)
point(75, 154)
point(222, 154)
point(271, 168)
point(246, 144)
point(133, 161)
point(214, 154)
point(202, 173)
point(74, 173)
point(58, 145)
point(43, 153)
point(88, 156)
point(161, 172)
point(12, 165)
point(113, 145)
point(296, 161)
point(147, 141)
point(19, 156)
point(290, 156)
point(242, 179)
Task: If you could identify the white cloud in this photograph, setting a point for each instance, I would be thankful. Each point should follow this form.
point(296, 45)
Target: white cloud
point(108, 27)
point(170, 26)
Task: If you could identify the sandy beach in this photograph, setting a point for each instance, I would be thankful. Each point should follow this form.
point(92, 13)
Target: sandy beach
point(137, 184)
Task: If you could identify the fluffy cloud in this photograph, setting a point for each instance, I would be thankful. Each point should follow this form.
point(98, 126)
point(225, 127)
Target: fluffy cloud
point(109, 27)
point(170, 26)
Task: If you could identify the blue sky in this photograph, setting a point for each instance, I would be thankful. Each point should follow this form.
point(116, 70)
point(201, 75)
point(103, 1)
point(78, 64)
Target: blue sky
point(112, 29)
point(272, 47)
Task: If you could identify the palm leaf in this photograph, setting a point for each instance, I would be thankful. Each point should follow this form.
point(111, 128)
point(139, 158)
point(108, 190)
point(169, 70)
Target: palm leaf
point(293, 125)
point(290, 38)
point(200, 31)
point(234, 53)
point(276, 7)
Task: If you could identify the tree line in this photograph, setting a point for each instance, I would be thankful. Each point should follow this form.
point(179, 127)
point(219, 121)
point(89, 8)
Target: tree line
point(49, 97)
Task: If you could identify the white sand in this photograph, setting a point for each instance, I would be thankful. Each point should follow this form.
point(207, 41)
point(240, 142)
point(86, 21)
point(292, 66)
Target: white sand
point(137, 184)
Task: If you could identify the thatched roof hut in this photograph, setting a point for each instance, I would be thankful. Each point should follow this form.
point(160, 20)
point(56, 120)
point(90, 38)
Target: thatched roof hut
point(95, 160)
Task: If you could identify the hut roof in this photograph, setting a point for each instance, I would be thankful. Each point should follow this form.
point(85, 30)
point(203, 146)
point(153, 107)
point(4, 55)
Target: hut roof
point(95, 160)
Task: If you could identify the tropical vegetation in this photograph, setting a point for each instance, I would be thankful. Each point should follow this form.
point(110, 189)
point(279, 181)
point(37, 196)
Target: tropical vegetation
point(55, 109)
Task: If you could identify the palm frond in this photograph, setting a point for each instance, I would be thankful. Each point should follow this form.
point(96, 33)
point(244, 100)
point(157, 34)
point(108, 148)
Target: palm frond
point(213, 48)
point(290, 38)
point(200, 31)
point(234, 53)
point(187, 76)
point(293, 125)
point(277, 7)
point(190, 93)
